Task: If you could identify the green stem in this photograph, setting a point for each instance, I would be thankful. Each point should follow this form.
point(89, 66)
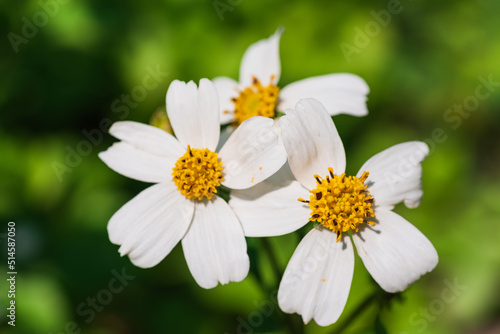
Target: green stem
point(287, 318)
point(272, 258)
point(361, 307)
point(302, 233)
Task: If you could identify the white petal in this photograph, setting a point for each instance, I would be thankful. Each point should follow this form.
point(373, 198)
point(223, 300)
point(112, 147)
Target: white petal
point(394, 251)
point(262, 60)
point(252, 153)
point(151, 224)
point(318, 277)
point(268, 210)
point(194, 113)
point(227, 89)
point(341, 93)
point(137, 164)
point(395, 174)
point(312, 142)
point(214, 247)
point(148, 138)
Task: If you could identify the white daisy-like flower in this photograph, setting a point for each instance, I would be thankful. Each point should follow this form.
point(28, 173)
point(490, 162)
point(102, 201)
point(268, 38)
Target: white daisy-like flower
point(183, 204)
point(317, 280)
point(257, 93)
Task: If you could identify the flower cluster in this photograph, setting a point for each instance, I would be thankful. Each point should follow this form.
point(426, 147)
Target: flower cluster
point(282, 173)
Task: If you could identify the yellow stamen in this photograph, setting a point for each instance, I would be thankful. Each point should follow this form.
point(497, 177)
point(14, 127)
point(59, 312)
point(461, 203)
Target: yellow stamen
point(255, 100)
point(340, 203)
point(197, 173)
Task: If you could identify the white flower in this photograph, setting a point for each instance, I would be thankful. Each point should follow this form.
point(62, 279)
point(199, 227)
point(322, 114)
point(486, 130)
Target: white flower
point(318, 277)
point(183, 204)
point(257, 93)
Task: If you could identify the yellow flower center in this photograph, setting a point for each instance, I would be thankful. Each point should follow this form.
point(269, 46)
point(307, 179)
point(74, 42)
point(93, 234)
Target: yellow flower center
point(197, 173)
point(340, 203)
point(255, 100)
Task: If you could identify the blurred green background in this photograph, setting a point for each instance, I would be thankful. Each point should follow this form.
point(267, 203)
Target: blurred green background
point(64, 75)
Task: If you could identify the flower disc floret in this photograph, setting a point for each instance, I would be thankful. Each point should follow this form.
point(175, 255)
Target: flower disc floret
point(255, 100)
point(198, 173)
point(340, 203)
